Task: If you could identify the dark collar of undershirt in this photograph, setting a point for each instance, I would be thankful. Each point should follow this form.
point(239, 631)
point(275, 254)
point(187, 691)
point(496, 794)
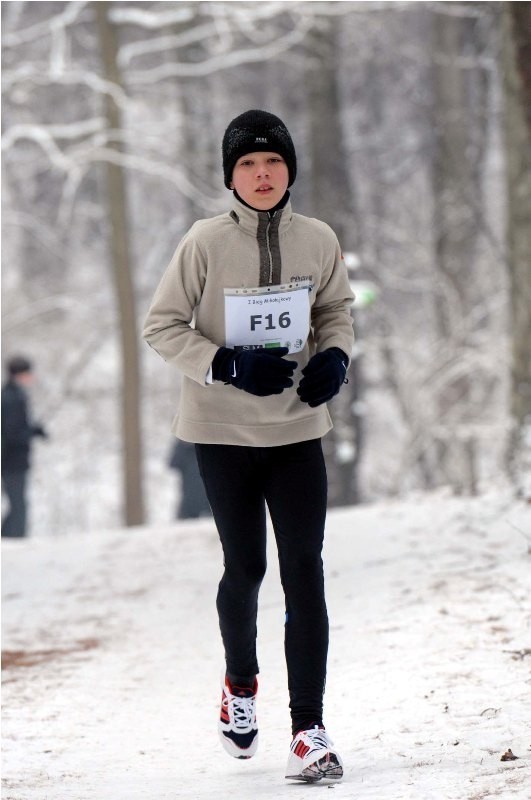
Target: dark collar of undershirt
point(281, 203)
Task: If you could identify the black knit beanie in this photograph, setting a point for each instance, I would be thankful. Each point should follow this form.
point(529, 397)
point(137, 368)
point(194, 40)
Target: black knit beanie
point(257, 131)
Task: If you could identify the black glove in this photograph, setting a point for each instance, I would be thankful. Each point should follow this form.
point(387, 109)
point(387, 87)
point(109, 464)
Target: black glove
point(324, 374)
point(259, 372)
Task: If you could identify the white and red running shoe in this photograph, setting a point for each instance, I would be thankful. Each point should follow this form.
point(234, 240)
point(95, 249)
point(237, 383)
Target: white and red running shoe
point(237, 727)
point(312, 757)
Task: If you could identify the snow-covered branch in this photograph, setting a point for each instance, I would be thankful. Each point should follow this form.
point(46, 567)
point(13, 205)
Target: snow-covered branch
point(221, 61)
point(42, 137)
point(218, 31)
point(66, 131)
point(72, 77)
point(71, 14)
point(162, 170)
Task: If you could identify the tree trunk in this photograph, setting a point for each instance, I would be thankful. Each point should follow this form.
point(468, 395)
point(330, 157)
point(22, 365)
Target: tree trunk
point(460, 143)
point(332, 203)
point(125, 297)
point(517, 91)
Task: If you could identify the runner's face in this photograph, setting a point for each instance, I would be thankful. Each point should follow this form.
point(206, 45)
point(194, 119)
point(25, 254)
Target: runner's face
point(261, 179)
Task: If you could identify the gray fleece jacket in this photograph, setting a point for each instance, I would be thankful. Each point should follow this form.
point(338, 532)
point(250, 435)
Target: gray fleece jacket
point(247, 249)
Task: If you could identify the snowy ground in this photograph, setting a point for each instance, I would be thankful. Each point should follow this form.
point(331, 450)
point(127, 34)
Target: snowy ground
point(113, 660)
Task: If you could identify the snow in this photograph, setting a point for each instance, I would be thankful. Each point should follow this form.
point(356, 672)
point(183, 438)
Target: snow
point(112, 686)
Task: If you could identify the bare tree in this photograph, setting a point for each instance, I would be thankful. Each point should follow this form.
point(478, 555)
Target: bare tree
point(516, 66)
point(459, 100)
point(122, 270)
point(332, 202)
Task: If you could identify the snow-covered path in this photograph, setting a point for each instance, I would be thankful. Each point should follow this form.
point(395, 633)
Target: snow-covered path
point(113, 660)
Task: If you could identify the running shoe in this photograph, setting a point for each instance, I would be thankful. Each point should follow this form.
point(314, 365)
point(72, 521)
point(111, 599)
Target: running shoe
point(313, 758)
point(237, 727)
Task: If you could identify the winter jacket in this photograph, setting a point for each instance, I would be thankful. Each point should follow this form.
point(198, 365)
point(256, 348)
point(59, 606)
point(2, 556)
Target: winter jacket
point(17, 430)
point(245, 249)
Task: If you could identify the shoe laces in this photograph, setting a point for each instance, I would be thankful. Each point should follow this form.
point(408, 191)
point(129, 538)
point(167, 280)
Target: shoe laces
point(318, 737)
point(242, 709)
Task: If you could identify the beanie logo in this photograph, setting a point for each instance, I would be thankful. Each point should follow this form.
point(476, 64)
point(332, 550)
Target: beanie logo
point(260, 140)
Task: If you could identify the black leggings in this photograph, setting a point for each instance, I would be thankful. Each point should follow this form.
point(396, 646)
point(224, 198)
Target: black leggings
point(291, 479)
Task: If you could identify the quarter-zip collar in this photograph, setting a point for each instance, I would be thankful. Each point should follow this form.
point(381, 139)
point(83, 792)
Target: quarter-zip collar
point(266, 227)
point(248, 218)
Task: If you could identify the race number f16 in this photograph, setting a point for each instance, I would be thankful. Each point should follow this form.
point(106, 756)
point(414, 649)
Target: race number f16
point(271, 316)
point(284, 321)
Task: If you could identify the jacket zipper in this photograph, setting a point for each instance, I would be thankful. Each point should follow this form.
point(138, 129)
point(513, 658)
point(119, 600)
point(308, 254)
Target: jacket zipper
point(270, 254)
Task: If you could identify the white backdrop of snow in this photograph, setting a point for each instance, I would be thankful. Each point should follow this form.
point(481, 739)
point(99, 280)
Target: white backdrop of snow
point(428, 675)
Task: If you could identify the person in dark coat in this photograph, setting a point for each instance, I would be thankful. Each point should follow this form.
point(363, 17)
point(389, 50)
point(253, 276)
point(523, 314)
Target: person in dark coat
point(193, 502)
point(17, 433)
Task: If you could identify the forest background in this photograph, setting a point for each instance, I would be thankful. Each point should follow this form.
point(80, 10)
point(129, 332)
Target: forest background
point(412, 125)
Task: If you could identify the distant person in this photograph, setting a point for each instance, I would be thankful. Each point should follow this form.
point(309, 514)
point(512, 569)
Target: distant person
point(17, 433)
point(193, 502)
point(254, 309)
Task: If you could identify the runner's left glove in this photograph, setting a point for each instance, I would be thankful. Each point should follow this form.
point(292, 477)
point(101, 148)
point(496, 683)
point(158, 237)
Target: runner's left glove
point(324, 374)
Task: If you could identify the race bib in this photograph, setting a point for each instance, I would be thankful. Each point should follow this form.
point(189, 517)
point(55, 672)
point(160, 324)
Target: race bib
point(268, 316)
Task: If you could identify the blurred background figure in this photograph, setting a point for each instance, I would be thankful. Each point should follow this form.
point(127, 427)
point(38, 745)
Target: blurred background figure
point(18, 431)
point(193, 501)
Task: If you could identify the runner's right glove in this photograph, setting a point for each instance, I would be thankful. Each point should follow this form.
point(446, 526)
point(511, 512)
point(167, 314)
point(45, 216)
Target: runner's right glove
point(259, 372)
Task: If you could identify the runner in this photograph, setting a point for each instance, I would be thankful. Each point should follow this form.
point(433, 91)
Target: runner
point(254, 310)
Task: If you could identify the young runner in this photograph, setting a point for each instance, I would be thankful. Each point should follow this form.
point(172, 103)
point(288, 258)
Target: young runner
point(254, 309)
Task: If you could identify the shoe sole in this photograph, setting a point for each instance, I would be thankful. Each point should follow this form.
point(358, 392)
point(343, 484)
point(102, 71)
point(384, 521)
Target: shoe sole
point(233, 750)
point(321, 769)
